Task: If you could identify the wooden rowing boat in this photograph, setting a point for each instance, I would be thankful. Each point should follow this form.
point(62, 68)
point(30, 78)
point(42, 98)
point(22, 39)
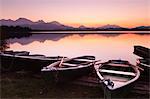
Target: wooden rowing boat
point(68, 69)
point(142, 51)
point(116, 76)
point(22, 60)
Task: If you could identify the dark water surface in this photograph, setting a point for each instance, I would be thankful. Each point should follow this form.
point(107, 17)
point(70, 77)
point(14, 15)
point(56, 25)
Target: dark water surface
point(103, 46)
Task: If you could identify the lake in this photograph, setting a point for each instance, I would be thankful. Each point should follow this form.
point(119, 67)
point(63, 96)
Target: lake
point(103, 46)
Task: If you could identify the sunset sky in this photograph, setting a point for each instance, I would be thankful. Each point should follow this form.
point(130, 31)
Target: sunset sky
point(127, 13)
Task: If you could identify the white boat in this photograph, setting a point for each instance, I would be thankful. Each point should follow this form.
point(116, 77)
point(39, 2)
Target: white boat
point(69, 69)
point(116, 76)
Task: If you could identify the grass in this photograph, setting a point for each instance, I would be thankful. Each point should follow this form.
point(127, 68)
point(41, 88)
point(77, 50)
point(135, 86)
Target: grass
point(14, 85)
point(27, 85)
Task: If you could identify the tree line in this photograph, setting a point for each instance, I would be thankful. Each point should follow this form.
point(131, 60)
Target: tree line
point(13, 31)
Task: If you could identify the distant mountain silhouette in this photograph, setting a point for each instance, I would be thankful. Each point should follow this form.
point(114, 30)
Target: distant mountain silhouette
point(54, 25)
point(142, 28)
point(39, 22)
point(39, 25)
point(8, 22)
point(82, 27)
point(108, 26)
point(20, 21)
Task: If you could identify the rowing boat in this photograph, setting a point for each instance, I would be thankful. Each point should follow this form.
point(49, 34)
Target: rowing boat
point(22, 60)
point(68, 69)
point(116, 76)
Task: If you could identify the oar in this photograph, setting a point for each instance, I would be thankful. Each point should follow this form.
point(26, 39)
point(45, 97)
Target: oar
point(94, 61)
point(99, 63)
point(90, 62)
point(61, 62)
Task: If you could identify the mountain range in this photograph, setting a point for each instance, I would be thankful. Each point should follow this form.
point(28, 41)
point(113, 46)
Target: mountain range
point(54, 25)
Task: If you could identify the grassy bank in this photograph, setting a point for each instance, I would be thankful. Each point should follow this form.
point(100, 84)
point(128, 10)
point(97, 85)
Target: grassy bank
point(14, 85)
point(27, 85)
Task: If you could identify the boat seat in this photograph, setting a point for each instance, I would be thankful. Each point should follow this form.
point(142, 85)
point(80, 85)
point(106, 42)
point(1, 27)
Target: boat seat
point(87, 60)
point(119, 65)
point(117, 72)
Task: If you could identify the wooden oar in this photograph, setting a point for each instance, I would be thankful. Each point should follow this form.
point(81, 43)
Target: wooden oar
point(89, 62)
point(99, 63)
point(61, 62)
point(94, 61)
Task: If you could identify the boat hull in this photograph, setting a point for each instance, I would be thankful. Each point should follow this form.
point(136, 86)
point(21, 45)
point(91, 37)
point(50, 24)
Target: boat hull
point(10, 63)
point(142, 51)
point(146, 69)
point(144, 66)
point(60, 76)
point(117, 93)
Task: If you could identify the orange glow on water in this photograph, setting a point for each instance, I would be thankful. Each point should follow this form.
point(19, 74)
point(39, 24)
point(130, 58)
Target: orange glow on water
point(103, 46)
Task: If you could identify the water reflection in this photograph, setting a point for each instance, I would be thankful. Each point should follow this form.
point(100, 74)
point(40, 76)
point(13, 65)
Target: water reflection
point(53, 37)
point(103, 46)
point(38, 37)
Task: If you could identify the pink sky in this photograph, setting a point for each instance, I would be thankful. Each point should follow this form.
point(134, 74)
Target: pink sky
point(127, 13)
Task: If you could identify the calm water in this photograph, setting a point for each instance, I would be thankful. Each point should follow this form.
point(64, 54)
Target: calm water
point(103, 46)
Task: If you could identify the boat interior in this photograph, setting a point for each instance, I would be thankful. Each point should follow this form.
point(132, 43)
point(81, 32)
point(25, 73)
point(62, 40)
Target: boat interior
point(118, 75)
point(74, 63)
point(116, 67)
point(118, 62)
point(145, 61)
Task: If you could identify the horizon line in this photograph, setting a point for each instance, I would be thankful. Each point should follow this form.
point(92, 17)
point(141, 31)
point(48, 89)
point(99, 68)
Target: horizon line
point(75, 25)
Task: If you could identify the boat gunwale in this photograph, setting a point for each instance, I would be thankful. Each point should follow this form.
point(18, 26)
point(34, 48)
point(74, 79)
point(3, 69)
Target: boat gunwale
point(143, 64)
point(31, 57)
point(52, 67)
